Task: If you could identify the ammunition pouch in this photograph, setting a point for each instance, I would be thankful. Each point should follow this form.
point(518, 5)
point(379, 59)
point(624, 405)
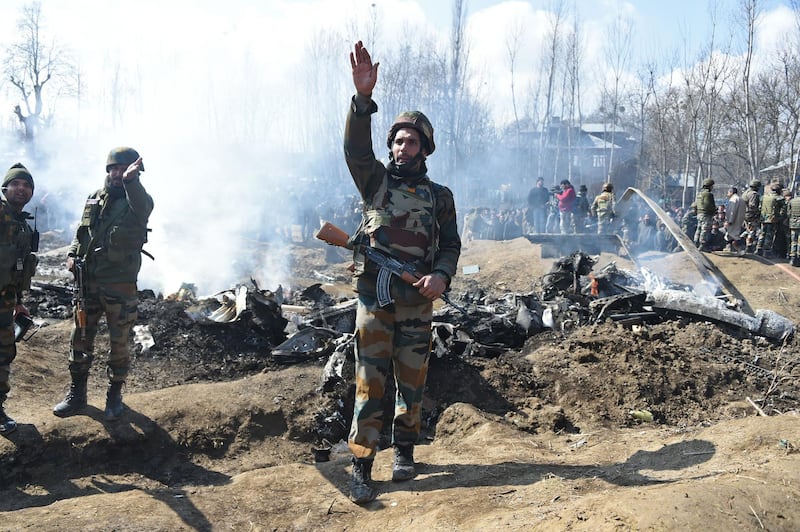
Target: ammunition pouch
point(124, 243)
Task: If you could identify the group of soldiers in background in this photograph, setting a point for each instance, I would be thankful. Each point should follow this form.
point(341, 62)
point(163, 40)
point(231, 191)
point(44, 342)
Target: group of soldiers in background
point(767, 225)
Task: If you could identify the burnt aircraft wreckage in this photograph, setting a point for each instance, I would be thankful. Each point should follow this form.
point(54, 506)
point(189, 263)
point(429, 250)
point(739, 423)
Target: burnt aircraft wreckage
point(247, 329)
point(313, 325)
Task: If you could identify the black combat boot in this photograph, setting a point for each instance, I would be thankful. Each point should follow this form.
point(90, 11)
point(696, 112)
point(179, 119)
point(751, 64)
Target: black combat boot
point(403, 465)
point(75, 400)
point(114, 406)
point(361, 492)
point(7, 425)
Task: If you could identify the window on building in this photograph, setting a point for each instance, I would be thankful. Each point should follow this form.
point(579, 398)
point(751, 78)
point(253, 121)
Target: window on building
point(598, 161)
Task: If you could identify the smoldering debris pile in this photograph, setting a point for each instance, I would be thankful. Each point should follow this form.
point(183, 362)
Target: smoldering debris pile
point(309, 324)
point(575, 324)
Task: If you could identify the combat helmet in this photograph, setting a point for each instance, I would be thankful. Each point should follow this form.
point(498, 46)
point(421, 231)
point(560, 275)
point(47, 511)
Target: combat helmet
point(608, 187)
point(123, 155)
point(415, 120)
point(708, 183)
point(755, 184)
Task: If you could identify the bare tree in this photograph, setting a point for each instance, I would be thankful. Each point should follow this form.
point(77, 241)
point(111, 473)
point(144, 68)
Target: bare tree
point(573, 111)
point(619, 54)
point(513, 44)
point(30, 64)
point(749, 13)
point(456, 85)
point(553, 51)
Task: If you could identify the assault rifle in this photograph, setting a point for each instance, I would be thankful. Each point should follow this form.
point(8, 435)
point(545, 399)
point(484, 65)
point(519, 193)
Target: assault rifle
point(387, 265)
point(79, 294)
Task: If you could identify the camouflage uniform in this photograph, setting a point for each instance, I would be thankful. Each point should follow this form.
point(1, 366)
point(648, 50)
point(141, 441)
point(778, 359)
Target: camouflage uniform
point(793, 212)
point(109, 239)
point(706, 210)
point(773, 209)
point(603, 209)
point(414, 220)
point(17, 266)
point(752, 214)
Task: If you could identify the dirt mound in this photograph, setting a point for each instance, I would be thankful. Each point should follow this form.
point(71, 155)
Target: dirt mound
point(553, 434)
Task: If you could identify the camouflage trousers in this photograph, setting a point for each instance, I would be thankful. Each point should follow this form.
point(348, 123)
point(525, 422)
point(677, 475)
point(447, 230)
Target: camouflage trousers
point(8, 348)
point(766, 237)
point(398, 337)
point(704, 222)
point(118, 302)
point(604, 224)
point(752, 227)
point(794, 243)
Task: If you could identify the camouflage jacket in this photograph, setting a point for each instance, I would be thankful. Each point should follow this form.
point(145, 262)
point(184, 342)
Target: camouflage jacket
point(414, 221)
point(773, 208)
point(752, 205)
point(112, 232)
point(603, 205)
point(706, 206)
point(793, 210)
point(17, 261)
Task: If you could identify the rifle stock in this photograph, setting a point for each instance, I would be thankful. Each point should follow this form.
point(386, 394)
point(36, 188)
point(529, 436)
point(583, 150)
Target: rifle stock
point(79, 295)
point(333, 235)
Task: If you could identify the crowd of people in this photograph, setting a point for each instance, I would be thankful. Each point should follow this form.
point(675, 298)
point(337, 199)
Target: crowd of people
point(766, 225)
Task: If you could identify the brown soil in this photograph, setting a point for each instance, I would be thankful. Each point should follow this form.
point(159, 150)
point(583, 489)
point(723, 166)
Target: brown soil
point(218, 434)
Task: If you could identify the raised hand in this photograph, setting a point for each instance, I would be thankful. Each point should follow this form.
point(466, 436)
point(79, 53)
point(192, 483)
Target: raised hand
point(133, 170)
point(365, 73)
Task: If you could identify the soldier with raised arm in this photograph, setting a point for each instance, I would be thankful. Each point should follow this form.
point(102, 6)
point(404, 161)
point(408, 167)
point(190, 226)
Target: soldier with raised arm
point(409, 217)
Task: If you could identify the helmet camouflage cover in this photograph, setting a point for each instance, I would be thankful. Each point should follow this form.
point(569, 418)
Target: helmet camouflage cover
point(708, 183)
point(417, 121)
point(755, 183)
point(122, 155)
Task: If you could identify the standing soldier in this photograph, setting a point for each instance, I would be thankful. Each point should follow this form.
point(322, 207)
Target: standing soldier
point(17, 266)
point(580, 210)
point(410, 218)
point(706, 210)
point(783, 232)
point(773, 209)
point(793, 211)
point(752, 214)
point(107, 247)
point(603, 209)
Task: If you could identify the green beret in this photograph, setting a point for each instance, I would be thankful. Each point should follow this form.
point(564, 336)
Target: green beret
point(18, 171)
